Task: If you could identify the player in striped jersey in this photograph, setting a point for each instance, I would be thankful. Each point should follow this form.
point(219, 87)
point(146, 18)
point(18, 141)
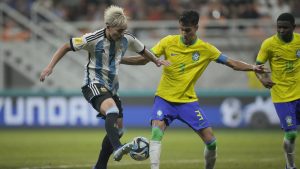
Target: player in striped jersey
point(175, 97)
point(106, 48)
point(282, 51)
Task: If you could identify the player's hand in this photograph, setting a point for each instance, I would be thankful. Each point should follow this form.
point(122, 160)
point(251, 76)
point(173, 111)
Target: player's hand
point(46, 72)
point(260, 69)
point(267, 82)
point(160, 62)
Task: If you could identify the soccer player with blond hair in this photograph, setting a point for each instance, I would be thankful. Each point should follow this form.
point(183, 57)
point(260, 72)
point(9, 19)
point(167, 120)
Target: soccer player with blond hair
point(106, 49)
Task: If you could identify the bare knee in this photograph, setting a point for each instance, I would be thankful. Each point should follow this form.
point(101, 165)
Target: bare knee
point(206, 134)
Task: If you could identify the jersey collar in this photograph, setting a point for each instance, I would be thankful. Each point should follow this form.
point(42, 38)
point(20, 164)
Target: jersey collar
point(182, 42)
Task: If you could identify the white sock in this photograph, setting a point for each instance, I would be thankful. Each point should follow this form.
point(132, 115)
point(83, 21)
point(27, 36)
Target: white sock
point(289, 152)
point(210, 157)
point(155, 149)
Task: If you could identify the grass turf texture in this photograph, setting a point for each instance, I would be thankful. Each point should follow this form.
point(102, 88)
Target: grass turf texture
point(78, 148)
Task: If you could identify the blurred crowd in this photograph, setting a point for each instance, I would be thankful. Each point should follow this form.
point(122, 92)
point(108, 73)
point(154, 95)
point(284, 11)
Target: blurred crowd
point(92, 10)
point(76, 10)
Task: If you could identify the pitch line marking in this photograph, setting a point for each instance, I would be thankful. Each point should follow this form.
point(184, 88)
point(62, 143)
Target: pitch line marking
point(142, 163)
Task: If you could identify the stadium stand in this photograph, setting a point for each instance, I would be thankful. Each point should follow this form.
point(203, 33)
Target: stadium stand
point(32, 29)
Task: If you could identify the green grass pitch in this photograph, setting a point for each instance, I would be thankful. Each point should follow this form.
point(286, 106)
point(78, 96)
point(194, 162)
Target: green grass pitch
point(182, 149)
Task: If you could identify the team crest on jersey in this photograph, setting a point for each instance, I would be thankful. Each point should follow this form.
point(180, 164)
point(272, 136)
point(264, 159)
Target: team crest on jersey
point(196, 56)
point(298, 53)
point(289, 121)
point(159, 113)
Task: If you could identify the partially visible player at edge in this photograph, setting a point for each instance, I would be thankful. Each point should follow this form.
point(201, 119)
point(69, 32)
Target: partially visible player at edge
point(106, 48)
point(282, 50)
point(176, 97)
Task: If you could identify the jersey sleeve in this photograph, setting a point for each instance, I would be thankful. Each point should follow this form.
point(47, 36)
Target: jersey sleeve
point(214, 52)
point(83, 42)
point(159, 48)
point(262, 56)
point(222, 59)
point(135, 44)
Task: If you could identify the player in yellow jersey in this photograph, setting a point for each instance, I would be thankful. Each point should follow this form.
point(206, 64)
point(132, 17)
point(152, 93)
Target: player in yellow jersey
point(282, 51)
point(176, 97)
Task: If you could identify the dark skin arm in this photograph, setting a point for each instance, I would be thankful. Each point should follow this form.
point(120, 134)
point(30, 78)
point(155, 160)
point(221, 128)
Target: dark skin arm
point(265, 79)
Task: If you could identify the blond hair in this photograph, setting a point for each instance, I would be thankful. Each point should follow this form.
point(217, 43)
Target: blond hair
point(115, 16)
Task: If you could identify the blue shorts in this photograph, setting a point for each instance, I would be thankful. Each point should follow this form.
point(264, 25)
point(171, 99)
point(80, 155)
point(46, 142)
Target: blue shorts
point(289, 114)
point(189, 113)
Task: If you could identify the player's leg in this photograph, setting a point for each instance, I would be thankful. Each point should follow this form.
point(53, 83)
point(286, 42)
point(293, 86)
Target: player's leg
point(289, 148)
point(287, 113)
point(158, 128)
point(162, 113)
point(106, 146)
point(111, 110)
point(210, 150)
point(193, 116)
point(96, 94)
point(105, 152)
point(107, 149)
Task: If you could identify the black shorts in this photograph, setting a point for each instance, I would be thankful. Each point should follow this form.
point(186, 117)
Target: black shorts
point(96, 93)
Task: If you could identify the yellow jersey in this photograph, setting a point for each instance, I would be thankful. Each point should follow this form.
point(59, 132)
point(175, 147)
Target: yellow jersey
point(253, 82)
point(177, 83)
point(284, 60)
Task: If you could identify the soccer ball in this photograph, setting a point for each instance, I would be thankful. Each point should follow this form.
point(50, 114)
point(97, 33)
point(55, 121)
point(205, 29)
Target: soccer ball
point(140, 149)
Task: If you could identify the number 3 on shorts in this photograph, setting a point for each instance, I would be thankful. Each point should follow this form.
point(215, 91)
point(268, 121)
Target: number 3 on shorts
point(199, 115)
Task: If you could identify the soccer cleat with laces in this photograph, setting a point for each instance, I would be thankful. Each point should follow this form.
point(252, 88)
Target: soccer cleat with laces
point(125, 149)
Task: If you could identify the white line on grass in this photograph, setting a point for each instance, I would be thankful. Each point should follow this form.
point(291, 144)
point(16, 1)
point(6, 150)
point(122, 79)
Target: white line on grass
point(187, 161)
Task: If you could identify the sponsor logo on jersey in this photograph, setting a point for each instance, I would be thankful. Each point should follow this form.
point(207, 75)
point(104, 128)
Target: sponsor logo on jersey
point(195, 56)
point(174, 54)
point(298, 53)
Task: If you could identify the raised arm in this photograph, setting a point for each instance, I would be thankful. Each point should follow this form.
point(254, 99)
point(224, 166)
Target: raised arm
point(55, 59)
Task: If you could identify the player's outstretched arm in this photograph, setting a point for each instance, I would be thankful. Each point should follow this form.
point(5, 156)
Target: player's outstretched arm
point(55, 58)
point(151, 57)
point(134, 60)
point(243, 66)
point(143, 60)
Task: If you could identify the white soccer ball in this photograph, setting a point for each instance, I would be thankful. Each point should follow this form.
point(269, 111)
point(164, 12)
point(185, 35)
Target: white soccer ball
point(140, 150)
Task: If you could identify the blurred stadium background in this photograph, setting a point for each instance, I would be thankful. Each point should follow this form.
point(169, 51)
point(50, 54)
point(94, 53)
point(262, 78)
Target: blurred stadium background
point(31, 31)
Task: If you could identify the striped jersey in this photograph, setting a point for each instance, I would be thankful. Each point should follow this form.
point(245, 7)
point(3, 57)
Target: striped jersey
point(104, 56)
